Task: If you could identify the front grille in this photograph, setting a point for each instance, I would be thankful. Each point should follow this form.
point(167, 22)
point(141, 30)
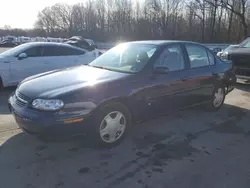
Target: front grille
point(20, 103)
point(22, 96)
point(242, 72)
point(241, 60)
point(21, 100)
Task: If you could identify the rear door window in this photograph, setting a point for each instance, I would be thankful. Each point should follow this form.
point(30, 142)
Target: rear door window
point(61, 51)
point(197, 55)
point(67, 51)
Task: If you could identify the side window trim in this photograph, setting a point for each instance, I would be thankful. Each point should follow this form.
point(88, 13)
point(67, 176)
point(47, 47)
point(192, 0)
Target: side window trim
point(185, 56)
point(208, 51)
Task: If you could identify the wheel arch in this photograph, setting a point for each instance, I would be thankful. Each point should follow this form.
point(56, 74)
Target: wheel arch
point(124, 101)
point(228, 78)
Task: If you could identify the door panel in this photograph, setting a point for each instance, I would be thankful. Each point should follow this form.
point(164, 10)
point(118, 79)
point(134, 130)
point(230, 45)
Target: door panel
point(5, 72)
point(169, 94)
point(160, 94)
point(200, 78)
point(165, 93)
point(23, 68)
point(199, 83)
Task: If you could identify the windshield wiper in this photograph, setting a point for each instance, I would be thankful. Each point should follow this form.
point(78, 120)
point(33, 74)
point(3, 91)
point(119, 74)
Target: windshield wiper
point(99, 67)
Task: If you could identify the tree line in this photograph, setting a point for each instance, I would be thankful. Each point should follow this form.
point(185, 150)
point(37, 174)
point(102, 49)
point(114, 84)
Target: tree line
point(220, 21)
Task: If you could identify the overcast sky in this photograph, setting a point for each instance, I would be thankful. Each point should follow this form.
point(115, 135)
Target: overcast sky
point(23, 13)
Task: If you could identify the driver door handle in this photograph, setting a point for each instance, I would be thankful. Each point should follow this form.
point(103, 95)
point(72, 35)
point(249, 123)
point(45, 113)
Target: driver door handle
point(6, 62)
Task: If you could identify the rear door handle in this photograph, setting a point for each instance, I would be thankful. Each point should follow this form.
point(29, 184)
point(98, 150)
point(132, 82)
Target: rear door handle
point(214, 74)
point(6, 62)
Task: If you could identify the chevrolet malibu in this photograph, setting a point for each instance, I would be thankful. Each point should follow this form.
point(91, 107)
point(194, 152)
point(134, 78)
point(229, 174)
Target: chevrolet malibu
point(131, 82)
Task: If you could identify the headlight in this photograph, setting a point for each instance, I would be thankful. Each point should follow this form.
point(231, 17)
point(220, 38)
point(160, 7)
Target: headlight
point(50, 104)
point(224, 56)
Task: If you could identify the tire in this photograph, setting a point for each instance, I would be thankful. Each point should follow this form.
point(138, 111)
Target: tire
point(217, 98)
point(110, 125)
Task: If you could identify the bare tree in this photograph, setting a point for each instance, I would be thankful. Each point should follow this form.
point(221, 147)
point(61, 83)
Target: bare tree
point(239, 8)
point(198, 20)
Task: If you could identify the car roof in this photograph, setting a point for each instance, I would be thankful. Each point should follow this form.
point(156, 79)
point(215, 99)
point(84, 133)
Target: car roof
point(48, 44)
point(34, 44)
point(161, 42)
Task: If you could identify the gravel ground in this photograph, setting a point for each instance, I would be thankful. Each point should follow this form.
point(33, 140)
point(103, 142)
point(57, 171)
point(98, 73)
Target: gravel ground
point(189, 149)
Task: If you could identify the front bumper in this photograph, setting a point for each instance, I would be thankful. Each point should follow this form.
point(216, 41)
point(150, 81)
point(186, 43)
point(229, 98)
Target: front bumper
point(39, 122)
point(243, 73)
point(243, 78)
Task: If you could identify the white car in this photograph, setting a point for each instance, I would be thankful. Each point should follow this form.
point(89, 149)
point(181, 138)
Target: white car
point(37, 57)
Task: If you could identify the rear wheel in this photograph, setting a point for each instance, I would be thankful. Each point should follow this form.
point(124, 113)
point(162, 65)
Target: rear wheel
point(218, 97)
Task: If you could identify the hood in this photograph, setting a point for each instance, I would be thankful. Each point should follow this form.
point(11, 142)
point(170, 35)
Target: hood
point(239, 51)
point(2, 57)
point(54, 83)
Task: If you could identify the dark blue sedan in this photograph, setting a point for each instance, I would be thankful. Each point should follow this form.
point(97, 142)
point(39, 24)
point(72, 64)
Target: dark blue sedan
point(132, 81)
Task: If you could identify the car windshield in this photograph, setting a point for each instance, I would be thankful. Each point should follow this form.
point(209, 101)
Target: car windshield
point(129, 58)
point(230, 47)
point(245, 43)
point(15, 51)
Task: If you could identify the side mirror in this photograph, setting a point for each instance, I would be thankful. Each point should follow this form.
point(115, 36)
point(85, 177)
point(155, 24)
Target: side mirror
point(22, 56)
point(161, 70)
point(92, 47)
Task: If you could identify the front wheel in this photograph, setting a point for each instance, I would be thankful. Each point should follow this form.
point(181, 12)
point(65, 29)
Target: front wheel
point(111, 124)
